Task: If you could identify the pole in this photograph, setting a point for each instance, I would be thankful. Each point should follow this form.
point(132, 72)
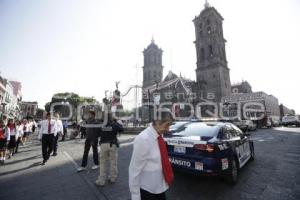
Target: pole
point(149, 110)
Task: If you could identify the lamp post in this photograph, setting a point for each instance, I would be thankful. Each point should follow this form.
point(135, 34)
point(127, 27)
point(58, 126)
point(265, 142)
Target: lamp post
point(156, 99)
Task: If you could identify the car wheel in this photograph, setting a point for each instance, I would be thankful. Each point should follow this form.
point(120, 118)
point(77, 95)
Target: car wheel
point(232, 175)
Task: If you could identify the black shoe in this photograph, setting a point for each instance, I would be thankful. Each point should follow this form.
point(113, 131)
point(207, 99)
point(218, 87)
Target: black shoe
point(54, 154)
point(43, 163)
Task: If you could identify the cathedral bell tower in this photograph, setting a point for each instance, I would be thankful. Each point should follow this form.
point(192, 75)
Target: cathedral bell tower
point(153, 69)
point(212, 73)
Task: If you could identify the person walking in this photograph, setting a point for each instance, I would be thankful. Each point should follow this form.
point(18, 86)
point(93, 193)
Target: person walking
point(65, 130)
point(47, 133)
point(109, 151)
point(150, 171)
point(13, 137)
point(4, 140)
point(26, 131)
point(19, 128)
point(92, 133)
point(60, 129)
point(33, 125)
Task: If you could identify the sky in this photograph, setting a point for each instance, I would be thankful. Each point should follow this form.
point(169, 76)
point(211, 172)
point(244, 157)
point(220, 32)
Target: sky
point(85, 46)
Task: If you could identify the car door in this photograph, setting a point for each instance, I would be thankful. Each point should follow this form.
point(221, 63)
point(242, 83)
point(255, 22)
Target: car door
point(242, 148)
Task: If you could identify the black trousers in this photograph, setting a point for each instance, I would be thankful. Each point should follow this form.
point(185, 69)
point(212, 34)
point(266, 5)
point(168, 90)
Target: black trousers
point(145, 195)
point(64, 135)
point(47, 145)
point(83, 134)
point(55, 142)
point(87, 145)
point(17, 144)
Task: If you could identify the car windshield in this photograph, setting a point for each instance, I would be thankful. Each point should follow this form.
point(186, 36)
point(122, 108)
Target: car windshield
point(199, 129)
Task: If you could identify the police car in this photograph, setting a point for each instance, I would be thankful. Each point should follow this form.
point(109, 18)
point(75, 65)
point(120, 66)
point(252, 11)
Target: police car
point(210, 148)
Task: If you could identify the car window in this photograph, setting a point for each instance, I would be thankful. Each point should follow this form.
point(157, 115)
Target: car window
point(199, 129)
point(236, 130)
point(176, 125)
point(226, 133)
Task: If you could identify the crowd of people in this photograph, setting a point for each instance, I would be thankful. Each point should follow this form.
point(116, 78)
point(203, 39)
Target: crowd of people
point(150, 172)
point(14, 133)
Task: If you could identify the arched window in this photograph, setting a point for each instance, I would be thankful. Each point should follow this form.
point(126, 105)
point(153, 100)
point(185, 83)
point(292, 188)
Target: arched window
point(207, 22)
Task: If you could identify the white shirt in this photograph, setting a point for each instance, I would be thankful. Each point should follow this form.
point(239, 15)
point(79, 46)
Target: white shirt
point(145, 169)
point(59, 125)
point(13, 132)
point(44, 128)
point(20, 132)
point(27, 127)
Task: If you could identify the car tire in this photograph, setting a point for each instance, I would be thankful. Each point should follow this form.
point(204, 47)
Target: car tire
point(232, 175)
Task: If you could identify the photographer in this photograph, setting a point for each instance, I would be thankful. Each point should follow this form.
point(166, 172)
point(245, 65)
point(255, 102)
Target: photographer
point(92, 131)
point(109, 152)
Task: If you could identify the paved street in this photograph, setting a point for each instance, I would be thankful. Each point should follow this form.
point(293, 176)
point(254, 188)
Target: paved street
point(274, 175)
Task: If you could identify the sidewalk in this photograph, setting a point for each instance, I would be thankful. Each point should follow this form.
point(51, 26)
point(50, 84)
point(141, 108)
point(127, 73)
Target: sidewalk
point(23, 178)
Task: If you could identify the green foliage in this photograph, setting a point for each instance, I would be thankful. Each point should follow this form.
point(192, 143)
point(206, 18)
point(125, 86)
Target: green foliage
point(69, 97)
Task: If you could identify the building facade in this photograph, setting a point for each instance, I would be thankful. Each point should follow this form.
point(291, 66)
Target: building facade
point(212, 85)
point(212, 72)
point(285, 111)
point(28, 109)
point(17, 98)
point(259, 102)
point(152, 69)
point(2, 94)
point(243, 87)
point(9, 101)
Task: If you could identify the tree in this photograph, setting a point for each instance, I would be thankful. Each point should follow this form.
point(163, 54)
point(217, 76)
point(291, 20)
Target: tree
point(70, 98)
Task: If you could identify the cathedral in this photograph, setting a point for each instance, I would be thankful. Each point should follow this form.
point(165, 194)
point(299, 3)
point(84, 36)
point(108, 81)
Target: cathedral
point(212, 84)
point(212, 73)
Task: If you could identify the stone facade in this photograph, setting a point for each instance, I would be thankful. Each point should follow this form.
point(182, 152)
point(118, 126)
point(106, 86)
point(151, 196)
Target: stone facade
point(152, 69)
point(212, 72)
point(243, 87)
point(171, 91)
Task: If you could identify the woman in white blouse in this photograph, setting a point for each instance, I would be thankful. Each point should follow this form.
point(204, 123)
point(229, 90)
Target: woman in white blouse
point(20, 133)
